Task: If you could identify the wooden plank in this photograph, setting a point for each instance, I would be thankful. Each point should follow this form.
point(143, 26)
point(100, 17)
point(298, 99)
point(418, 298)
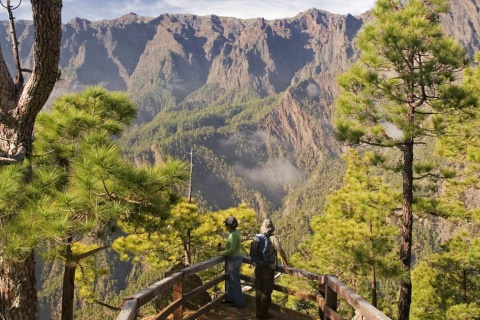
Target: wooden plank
point(168, 310)
point(247, 259)
point(355, 300)
point(149, 293)
point(177, 296)
point(300, 273)
point(129, 310)
point(335, 286)
point(292, 271)
point(322, 279)
point(331, 297)
point(198, 290)
point(188, 296)
point(188, 271)
point(325, 310)
point(247, 278)
point(206, 307)
point(292, 314)
point(298, 294)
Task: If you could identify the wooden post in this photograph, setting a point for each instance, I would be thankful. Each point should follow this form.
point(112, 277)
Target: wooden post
point(331, 300)
point(321, 290)
point(226, 279)
point(330, 297)
point(177, 294)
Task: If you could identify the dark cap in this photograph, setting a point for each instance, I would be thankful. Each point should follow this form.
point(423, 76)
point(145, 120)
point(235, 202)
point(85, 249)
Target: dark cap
point(232, 222)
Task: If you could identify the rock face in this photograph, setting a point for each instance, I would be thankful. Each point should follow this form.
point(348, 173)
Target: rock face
point(222, 72)
point(177, 63)
point(183, 53)
point(187, 62)
point(254, 97)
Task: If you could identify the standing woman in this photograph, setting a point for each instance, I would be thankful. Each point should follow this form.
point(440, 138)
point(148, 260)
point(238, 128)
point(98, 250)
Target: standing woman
point(234, 260)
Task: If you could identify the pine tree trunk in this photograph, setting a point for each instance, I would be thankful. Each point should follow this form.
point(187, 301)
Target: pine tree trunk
point(19, 105)
point(18, 295)
point(373, 280)
point(405, 298)
point(68, 291)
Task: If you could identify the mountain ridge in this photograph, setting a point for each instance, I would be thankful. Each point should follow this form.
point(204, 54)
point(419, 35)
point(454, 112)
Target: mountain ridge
point(274, 79)
point(253, 98)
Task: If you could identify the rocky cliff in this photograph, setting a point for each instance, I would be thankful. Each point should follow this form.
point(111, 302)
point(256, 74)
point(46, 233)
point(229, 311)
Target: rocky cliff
point(252, 96)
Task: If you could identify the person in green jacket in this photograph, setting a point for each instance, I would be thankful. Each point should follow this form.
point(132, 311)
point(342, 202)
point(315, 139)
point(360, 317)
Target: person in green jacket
point(234, 261)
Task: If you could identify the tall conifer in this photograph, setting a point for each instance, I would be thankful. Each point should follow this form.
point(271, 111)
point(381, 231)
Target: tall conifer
point(403, 81)
point(355, 237)
point(82, 186)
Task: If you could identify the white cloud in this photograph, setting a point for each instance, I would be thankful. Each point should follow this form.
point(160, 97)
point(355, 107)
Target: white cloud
point(278, 175)
point(95, 10)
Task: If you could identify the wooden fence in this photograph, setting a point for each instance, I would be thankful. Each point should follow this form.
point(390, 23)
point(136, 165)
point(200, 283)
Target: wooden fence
point(330, 290)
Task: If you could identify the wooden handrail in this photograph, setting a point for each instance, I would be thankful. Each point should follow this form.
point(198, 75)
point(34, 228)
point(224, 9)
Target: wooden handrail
point(329, 289)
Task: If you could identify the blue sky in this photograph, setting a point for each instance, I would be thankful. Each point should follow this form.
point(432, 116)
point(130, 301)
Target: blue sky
point(95, 10)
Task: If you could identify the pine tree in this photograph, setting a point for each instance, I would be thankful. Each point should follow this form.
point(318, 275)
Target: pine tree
point(405, 80)
point(449, 278)
point(449, 282)
point(359, 245)
point(82, 186)
point(459, 145)
point(165, 246)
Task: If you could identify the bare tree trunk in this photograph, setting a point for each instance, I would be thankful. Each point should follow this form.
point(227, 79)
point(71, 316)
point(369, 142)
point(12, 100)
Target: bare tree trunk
point(18, 296)
point(405, 298)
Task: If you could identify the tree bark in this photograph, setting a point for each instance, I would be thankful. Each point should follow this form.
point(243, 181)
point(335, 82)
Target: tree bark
point(373, 280)
point(18, 297)
point(71, 263)
point(405, 298)
point(68, 291)
point(19, 106)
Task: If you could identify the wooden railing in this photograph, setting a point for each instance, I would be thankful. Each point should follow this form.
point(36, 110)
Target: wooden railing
point(330, 290)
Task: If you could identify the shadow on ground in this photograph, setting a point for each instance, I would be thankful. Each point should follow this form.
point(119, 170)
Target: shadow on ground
point(228, 312)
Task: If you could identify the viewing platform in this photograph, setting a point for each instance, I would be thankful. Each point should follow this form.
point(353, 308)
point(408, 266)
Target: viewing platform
point(330, 293)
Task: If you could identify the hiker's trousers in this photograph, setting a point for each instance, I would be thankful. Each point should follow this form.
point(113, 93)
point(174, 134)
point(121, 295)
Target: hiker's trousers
point(234, 288)
point(263, 290)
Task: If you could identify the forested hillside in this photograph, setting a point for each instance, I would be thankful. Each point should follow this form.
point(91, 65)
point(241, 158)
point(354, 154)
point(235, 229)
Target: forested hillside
point(251, 99)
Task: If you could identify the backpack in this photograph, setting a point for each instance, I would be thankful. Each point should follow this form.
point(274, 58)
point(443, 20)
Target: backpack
point(262, 252)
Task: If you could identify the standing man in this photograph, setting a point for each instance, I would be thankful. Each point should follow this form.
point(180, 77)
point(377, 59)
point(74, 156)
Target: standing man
point(234, 260)
point(264, 275)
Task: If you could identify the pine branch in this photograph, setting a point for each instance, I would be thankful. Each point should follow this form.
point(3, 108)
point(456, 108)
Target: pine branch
point(87, 254)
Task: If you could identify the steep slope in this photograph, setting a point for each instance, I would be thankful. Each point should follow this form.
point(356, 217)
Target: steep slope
point(253, 96)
